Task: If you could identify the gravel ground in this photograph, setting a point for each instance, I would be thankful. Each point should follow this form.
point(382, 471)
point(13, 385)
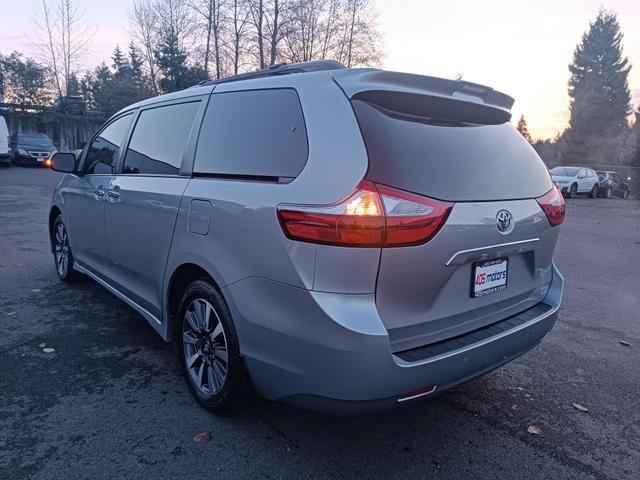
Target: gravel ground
point(110, 401)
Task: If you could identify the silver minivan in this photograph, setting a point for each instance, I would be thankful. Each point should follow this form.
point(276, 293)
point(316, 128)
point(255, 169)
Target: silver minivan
point(344, 240)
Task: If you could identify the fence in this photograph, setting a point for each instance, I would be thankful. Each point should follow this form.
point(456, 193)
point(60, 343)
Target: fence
point(68, 132)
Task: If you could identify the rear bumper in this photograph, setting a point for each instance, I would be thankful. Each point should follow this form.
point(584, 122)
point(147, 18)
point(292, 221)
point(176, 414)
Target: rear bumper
point(330, 352)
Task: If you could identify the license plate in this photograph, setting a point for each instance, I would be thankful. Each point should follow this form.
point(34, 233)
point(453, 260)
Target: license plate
point(40, 159)
point(489, 277)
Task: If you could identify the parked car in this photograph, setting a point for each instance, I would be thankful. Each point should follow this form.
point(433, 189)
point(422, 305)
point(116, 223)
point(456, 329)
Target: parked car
point(5, 153)
point(612, 184)
point(31, 149)
point(575, 180)
point(70, 104)
point(323, 233)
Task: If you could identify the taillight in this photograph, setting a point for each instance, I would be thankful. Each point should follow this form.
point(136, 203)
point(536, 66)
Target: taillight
point(552, 203)
point(411, 219)
point(372, 216)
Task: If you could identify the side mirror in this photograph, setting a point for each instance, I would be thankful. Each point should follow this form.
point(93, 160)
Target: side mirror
point(64, 162)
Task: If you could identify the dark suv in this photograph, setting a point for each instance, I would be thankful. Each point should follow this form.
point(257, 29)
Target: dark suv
point(612, 184)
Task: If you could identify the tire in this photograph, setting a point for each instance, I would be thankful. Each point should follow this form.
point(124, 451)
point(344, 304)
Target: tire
point(594, 192)
point(62, 254)
point(608, 192)
point(573, 191)
point(205, 335)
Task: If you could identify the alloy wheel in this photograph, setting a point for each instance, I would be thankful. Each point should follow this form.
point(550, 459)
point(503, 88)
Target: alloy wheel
point(61, 250)
point(205, 347)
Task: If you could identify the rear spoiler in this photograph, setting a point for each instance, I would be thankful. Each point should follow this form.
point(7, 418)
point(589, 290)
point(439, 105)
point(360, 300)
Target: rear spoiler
point(356, 80)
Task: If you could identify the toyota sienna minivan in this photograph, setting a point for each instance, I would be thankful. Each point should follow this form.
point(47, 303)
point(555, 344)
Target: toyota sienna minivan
point(344, 240)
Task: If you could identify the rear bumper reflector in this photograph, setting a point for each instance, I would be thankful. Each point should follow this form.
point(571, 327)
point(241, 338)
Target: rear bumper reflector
point(418, 393)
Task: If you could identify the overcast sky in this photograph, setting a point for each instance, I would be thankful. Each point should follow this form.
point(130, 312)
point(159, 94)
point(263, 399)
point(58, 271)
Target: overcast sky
point(519, 47)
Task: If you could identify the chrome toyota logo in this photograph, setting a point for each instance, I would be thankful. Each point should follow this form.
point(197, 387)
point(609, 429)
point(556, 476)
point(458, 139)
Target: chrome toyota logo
point(504, 221)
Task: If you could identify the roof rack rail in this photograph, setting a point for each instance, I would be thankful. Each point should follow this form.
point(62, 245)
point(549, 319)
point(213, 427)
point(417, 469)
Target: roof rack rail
point(280, 69)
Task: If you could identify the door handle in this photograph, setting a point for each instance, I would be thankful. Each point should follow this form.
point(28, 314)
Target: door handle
point(113, 194)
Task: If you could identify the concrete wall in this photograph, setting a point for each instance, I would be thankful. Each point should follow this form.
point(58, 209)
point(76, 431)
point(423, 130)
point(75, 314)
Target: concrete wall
point(68, 132)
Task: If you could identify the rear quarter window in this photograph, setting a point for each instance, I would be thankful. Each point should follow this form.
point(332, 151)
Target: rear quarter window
point(256, 133)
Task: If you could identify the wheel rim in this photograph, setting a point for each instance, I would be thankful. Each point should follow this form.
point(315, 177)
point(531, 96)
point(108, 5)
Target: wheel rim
point(205, 347)
point(62, 250)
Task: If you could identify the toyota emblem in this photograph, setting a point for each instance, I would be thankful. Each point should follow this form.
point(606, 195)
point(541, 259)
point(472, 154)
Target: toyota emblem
point(504, 221)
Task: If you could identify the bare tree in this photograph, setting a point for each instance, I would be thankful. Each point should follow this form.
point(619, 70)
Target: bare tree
point(257, 8)
point(63, 39)
point(211, 12)
point(303, 33)
point(331, 27)
point(278, 14)
point(360, 43)
point(240, 13)
point(176, 16)
point(344, 30)
point(145, 23)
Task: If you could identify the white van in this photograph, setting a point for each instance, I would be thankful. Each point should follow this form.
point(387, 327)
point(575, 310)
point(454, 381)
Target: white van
point(5, 158)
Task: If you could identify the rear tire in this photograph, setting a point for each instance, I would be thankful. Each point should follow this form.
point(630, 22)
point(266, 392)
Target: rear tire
point(573, 191)
point(62, 254)
point(594, 192)
point(208, 348)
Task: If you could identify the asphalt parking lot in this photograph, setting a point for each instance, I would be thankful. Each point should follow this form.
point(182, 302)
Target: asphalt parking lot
point(110, 401)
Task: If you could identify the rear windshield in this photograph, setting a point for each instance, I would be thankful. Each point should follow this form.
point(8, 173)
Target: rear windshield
point(34, 139)
point(449, 159)
point(565, 171)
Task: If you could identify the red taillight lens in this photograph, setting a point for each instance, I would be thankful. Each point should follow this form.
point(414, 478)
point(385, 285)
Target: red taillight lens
point(356, 221)
point(372, 216)
point(411, 219)
point(552, 203)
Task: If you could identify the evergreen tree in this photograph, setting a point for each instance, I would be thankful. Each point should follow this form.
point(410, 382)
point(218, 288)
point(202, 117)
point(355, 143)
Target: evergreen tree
point(523, 128)
point(135, 61)
point(73, 86)
point(24, 80)
point(172, 62)
point(598, 88)
point(110, 89)
point(120, 63)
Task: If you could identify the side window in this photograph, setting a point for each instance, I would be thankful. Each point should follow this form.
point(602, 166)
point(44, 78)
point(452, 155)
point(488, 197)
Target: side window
point(103, 151)
point(253, 133)
point(159, 139)
point(582, 173)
